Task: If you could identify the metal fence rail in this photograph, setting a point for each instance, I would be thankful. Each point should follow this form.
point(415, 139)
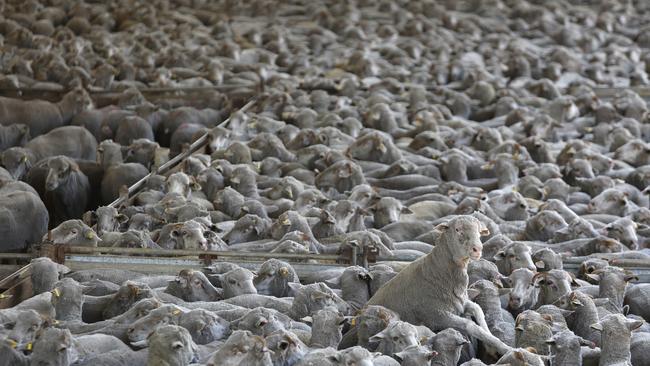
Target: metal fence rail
point(152, 260)
point(310, 267)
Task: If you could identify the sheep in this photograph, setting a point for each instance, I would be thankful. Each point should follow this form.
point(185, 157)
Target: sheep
point(616, 334)
point(566, 348)
point(41, 116)
point(444, 292)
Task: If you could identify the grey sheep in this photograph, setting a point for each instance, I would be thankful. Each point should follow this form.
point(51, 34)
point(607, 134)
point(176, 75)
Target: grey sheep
point(441, 300)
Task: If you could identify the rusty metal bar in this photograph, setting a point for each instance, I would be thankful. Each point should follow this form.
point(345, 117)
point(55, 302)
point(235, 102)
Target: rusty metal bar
point(70, 250)
point(19, 274)
point(16, 256)
point(16, 287)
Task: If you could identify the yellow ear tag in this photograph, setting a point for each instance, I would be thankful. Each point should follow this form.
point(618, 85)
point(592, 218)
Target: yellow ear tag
point(284, 272)
point(353, 322)
point(176, 312)
point(12, 343)
point(56, 292)
point(28, 347)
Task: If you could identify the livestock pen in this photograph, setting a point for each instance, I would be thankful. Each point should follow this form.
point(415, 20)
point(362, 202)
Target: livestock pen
point(15, 271)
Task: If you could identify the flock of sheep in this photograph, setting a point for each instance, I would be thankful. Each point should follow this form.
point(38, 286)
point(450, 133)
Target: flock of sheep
point(464, 136)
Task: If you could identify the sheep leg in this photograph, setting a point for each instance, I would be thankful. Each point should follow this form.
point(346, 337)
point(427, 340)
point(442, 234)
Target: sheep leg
point(449, 320)
point(472, 309)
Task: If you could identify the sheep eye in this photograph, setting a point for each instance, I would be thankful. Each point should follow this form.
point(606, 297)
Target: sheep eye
point(284, 345)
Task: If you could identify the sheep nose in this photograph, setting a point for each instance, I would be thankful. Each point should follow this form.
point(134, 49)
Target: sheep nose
point(515, 301)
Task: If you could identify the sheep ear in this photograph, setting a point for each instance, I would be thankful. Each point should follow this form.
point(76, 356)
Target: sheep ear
point(500, 255)
point(294, 286)
point(316, 296)
point(540, 264)
point(344, 173)
point(89, 218)
point(210, 234)
point(597, 326)
point(258, 230)
point(472, 293)
point(631, 276)
point(346, 319)
point(406, 210)
point(537, 278)
point(574, 299)
point(307, 319)
point(625, 310)
point(593, 277)
point(586, 343)
point(634, 324)
point(519, 355)
point(337, 357)
point(442, 227)
point(121, 218)
point(142, 343)
point(377, 337)
point(550, 341)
